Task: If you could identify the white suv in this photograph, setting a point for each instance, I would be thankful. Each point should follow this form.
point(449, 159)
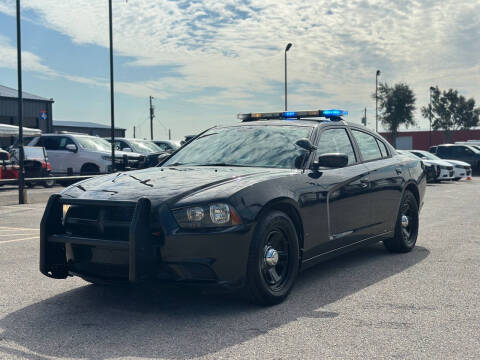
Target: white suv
point(83, 154)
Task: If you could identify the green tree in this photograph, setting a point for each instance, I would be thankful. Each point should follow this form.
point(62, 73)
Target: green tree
point(396, 107)
point(451, 112)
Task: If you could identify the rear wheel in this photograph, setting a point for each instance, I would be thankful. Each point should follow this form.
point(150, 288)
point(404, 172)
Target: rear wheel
point(406, 229)
point(273, 260)
point(89, 169)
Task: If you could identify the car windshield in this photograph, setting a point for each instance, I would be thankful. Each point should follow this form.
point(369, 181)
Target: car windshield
point(409, 154)
point(254, 145)
point(93, 143)
point(426, 155)
point(144, 146)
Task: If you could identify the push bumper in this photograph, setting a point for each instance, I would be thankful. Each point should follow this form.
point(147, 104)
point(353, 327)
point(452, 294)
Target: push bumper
point(149, 252)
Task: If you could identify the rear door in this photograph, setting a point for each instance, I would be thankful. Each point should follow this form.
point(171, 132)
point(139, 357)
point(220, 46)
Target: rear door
point(386, 181)
point(347, 196)
point(51, 145)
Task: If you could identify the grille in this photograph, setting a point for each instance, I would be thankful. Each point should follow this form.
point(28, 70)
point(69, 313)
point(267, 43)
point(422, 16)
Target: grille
point(99, 222)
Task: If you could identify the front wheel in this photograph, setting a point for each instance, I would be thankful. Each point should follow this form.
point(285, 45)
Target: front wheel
point(273, 260)
point(406, 228)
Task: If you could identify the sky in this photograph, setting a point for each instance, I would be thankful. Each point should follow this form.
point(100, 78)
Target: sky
point(204, 61)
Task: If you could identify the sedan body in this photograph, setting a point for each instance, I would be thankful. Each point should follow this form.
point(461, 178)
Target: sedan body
point(244, 206)
point(461, 169)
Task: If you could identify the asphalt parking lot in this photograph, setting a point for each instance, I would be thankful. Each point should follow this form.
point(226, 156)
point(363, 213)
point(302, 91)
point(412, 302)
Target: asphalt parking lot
point(366, 304)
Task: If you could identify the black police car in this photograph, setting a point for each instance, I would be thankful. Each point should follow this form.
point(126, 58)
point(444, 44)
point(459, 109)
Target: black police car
point(245, 206)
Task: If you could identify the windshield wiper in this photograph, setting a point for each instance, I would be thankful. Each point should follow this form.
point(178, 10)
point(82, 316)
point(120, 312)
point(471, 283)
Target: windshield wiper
point(175, 164)
point(220, 164)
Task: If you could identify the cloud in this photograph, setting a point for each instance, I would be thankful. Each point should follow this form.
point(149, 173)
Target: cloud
point(237, 46)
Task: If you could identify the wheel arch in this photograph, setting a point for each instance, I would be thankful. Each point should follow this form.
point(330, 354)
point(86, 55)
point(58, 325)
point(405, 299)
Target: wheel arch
point(412, 187)
point(85, 165)
point(290, 208)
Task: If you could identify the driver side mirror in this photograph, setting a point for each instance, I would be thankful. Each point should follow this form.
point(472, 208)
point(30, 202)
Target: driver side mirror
point(162, 157)
point(71, 147)
point(331, 160)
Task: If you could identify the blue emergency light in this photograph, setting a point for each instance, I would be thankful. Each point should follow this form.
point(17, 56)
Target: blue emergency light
point(331, 114)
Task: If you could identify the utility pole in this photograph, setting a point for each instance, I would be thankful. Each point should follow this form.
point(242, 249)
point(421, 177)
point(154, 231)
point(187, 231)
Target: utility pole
point(376, 100)
point(112, 112)
point(21, 177)
point(169, 134)
point(134, 131)
point(364, 119)
point(152, 115)
point(289, 45)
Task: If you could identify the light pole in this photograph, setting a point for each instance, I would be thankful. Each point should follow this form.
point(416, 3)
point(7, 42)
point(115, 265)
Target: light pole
point(376, 100)
point(112, 113)
point(21, 175)
point(289, 45)
point(430, 131)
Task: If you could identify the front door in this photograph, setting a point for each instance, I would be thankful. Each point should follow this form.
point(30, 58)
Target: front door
point(348, 203)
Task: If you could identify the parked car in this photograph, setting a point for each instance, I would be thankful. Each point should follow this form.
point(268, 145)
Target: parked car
point(36, 165)
point(443, 169)
point(431, 170)
point(168, 145)
point(83, 154)
point(187, 139)
point(147, 148)
point(245, 206)
point(461, 168)
point(8, 170)
point(473, 143)
point(463, 153)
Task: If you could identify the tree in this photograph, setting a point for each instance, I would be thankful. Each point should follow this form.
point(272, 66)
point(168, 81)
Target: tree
point(451, 112)
point(396, 107)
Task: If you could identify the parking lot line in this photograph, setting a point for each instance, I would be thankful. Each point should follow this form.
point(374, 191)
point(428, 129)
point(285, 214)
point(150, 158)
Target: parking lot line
point(7, 228)
point(9, 241)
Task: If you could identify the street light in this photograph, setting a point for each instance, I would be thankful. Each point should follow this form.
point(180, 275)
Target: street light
point(112, 108)
point(376, 100)
point(289, 45)
point(430, 131)
point(21, 175)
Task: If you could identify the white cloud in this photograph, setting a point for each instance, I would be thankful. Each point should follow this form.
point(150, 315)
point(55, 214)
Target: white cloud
point(238, 46)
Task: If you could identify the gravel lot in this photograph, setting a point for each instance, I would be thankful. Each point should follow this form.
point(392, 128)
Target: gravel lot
point(366, 304)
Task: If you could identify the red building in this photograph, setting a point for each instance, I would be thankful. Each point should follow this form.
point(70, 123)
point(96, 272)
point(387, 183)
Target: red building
point(420, 140)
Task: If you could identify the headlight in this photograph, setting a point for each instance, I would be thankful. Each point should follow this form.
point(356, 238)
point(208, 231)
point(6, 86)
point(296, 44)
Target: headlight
point(214, 215)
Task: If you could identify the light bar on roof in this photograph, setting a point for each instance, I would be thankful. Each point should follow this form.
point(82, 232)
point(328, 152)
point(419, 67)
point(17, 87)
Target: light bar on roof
point(332, 114)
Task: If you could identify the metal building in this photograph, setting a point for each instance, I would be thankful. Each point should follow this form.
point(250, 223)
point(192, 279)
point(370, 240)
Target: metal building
point(85, 127)
point(37, 111)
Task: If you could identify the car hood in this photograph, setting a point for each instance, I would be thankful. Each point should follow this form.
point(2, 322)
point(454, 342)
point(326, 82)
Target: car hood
point(458, 162)
point(438, 162)
point(170, 184)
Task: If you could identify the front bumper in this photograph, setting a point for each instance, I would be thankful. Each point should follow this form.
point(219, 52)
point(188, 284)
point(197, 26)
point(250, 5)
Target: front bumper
point(446, 174)
point(148, 252)
point(461, 172)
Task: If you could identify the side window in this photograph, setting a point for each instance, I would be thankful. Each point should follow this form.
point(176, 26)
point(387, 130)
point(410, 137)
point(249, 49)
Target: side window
point(163, 146)
point(336, 141)
point(368, 145)
point(50, 142)
point(63, 142)
point(383, 148)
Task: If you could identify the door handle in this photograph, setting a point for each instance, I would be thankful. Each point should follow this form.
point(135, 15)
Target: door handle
point(398, 171)
point(364, 183)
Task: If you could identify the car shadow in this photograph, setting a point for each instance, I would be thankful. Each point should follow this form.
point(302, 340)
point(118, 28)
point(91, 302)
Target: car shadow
point(95, 322)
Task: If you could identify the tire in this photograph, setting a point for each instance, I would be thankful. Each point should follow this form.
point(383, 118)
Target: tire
point(268, 283)
point(89, 169)
point(406, 231)
point(48, 183)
